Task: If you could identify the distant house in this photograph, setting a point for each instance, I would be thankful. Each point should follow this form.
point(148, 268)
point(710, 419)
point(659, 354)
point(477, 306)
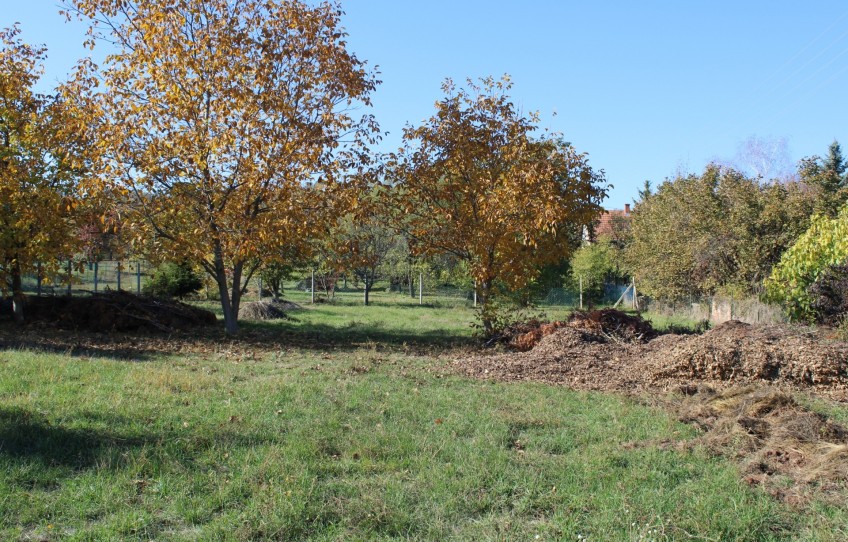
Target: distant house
point(612, 224)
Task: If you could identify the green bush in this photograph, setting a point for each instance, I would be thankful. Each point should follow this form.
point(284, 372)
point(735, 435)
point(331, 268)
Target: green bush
point(173, 280)
point(822, 246)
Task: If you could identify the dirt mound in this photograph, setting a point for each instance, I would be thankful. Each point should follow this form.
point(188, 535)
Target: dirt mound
point(588, 356)
point(596, 326)
point(524, 337)
point(775, 438)
point(116, 311)
point(267, 310)
point(613, 325)
point(738, 352)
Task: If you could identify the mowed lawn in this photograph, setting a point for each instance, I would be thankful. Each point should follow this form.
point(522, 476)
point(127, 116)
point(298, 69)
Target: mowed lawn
point(354, 432)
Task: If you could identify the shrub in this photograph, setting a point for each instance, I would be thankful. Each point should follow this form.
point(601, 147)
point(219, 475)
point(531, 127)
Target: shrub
point(829, 295)
point(822, 246)
point(173, 280)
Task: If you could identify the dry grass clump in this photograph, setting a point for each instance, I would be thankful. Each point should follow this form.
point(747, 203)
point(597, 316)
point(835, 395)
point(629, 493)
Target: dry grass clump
point(780, 444)
point(273, 309)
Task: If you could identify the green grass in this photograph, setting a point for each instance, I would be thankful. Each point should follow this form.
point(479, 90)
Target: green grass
point(352, 437)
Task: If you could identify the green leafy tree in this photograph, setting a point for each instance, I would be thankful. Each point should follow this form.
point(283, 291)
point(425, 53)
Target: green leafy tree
point(822, 246)
point(174, 280)
point(828, 178)
point(718, 232)
point(595, 265)
point(274, 274)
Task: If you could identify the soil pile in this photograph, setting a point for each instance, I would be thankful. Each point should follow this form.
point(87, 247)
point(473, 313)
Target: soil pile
point(116, 311)
point(739, 352)
point(596, 326)
point(523, 337)
point(267, 310)
point(588, 355)
point(775, 439)
point(613, 325)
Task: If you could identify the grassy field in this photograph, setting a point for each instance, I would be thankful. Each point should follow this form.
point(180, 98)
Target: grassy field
point(353, 432)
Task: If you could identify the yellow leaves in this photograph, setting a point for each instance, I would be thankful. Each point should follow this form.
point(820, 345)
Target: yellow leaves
point(474, 184)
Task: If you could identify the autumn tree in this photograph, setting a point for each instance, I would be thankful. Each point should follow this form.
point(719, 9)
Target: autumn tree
point(41, 143)
point(227, 124)
point(473, 182)
point(364, 241)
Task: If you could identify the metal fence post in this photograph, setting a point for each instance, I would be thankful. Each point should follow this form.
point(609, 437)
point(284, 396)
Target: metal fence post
point(421, 288)
point(96, 268)
point(138, 278)
point(312, 287)
point(581, 292)
point(38, 278)
point(118, 273)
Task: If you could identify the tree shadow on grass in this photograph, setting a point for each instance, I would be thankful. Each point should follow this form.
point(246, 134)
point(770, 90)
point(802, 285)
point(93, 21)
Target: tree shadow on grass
point(28, 438)
point(56, 342)
point(258, 335)
point(352, 336)
point(31, 437)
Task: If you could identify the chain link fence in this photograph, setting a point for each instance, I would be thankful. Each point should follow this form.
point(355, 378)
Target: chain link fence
point(80, 278)
point(75, 277)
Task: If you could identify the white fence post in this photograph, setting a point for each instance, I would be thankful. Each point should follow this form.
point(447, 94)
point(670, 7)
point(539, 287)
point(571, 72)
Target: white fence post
point(581, 291)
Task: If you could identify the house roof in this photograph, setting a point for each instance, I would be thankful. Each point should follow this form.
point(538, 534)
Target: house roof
point(606, 223)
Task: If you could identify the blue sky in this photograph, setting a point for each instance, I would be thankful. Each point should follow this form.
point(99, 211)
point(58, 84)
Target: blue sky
point(646, 88)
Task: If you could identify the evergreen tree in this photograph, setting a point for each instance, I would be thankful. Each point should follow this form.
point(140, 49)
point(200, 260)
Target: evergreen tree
point(828, 176)
point(835, 162)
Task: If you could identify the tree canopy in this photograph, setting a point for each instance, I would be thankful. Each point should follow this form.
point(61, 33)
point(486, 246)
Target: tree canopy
point(823, 245)
point(474, 183)
point(41, 145)
point(226, 126)
point(718, 232)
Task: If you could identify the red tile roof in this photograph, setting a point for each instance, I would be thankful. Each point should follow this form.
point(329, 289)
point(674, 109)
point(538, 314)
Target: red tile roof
point(606, 222)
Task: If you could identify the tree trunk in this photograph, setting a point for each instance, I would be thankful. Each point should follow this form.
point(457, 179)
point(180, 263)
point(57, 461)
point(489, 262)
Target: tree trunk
point(484, 290)
point(235, 303)
point(18, 298)
point(227, 305)
point(367, 287)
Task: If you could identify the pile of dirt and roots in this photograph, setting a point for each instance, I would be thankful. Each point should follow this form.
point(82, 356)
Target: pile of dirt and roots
point(600, 325)
point(614, 354)
point(116, 311)
point(272, 309)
